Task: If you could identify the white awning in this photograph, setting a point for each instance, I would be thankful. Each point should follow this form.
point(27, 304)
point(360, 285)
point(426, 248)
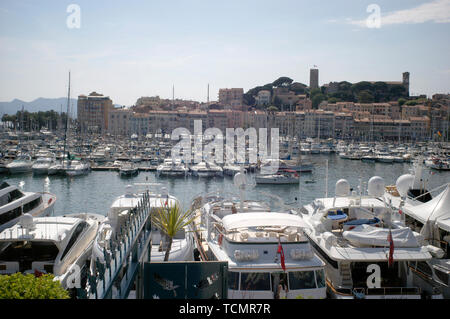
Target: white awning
point(242, 220)
point(434, 210)
point(444, 224)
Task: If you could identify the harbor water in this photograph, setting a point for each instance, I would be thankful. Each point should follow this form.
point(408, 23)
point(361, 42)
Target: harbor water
point(96, 191)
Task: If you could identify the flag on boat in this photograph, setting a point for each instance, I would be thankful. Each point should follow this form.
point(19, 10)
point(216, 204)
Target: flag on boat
point(281, 252)
point(391, 249)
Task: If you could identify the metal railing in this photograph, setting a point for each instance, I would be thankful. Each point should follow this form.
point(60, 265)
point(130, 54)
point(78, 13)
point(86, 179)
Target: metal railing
point(114, 277)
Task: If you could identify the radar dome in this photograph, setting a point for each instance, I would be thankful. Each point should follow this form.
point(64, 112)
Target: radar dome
point(26, 221)
point(376, 186)
point(404, 183)
point(342, 188)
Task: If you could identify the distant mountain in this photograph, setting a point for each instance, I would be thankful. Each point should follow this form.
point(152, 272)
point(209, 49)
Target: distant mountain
point(40, 104)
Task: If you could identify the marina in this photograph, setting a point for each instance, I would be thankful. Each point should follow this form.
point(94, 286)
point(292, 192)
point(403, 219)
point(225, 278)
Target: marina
point(236, 205)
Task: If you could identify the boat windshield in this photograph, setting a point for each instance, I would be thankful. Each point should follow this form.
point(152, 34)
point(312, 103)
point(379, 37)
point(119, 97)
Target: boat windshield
point(27, 252)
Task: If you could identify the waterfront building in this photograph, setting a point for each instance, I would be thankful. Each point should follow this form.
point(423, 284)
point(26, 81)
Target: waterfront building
point(93, 112)
point(118, 121)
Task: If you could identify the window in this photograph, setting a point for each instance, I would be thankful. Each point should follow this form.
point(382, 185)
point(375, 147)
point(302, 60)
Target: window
point(424, 268)
point(301, 280)
point(32, 205)
point(233, 280)
point(320, 278)
point(80, 228)
point(12, 214)
point(255, 281)
point(34, 250)
point(442, 276)
point(15, 194)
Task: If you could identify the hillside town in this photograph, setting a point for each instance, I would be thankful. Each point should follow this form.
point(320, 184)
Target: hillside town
point(406, 118)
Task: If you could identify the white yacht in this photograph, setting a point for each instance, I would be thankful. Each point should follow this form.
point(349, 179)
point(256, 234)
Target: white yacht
point(120, 210)
point(205, 169)
point(430, 216)
point(385, 157)
point(22, 164)
point(351, 233)
point(76, 167)
point(263, 249)
point(172, 168)
point(58, 168)
point(438, 163)
point(281, 177)
point(42, 164)
point(57, 245)
point(15, 202)
point(128, 169)
point(232, 169)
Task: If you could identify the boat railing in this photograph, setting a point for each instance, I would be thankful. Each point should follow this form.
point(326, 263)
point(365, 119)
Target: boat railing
point(385, 291)
point(115, 276)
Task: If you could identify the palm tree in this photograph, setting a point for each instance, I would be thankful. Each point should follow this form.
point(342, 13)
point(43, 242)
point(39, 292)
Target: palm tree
point(170, 220)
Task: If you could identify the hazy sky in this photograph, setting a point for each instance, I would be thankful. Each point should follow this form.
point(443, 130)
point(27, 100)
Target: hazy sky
point(128, 49)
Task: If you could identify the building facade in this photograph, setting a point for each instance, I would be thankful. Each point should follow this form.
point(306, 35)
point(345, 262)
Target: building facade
point(93, 112)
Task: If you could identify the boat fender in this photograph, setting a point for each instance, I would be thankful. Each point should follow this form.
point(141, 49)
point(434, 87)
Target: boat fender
point(220, 239)
point(49, 201)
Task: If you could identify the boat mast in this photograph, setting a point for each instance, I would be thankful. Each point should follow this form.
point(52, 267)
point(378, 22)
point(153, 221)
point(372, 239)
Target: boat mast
point(67, 122)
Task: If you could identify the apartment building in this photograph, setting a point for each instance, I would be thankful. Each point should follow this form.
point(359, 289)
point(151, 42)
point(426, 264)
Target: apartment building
point(93, 112)
point(231, 97)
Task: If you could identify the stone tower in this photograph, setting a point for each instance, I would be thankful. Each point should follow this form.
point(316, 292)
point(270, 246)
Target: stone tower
point(406, 81)
point(314, 79)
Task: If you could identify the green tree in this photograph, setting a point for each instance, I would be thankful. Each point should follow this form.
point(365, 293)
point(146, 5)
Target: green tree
point(277, 102)
point(170, 220)
point(333, 100)
point(317, 99)
point(298, 88)
point(365, 97)
point(272, 109)
point(282, 81)
point(362, 86)
point(401, 101)
point(21, 286)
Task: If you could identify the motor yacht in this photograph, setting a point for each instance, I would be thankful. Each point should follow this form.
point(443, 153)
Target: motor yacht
point(427, 215)
point(120, 211)
point(76, 168)
point(15, 202)
point(42, 164)
point(232, 169)
point(206, 169)
point(281, 177)
point(22, 164)
point(438, 163)
point(58, 245)
point(263, 249)
point(369, 254)
point(58, 168)
point(172, 168)
point(128, 169)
